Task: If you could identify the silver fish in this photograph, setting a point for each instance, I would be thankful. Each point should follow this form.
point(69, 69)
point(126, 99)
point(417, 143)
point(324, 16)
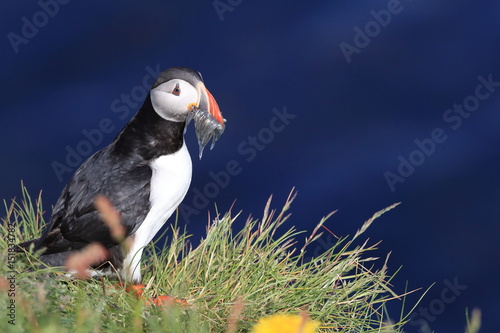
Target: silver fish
point(206, 126)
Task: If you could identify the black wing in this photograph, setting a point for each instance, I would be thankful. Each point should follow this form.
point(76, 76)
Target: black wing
point(125, 180)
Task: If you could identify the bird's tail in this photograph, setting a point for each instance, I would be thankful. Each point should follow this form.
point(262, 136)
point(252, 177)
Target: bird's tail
point(25, 246)
point(56, 259)
point(50, 259)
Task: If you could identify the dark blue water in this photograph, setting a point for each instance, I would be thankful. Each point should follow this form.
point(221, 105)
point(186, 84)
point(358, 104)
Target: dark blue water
point(357, 105)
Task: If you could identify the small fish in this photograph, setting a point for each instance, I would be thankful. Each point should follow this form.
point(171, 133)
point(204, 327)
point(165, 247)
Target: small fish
point(206, 126)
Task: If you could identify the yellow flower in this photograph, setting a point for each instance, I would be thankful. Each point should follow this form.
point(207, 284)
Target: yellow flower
point(283, 323)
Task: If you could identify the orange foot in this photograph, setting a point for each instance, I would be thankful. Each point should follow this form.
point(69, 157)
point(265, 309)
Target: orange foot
point(136, 289)
point(166, 300)
point(158, 300)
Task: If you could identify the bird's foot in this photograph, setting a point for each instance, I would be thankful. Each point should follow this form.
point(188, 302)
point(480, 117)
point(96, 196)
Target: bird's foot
point(164, 300)
point(136, 289)
point(160, 300)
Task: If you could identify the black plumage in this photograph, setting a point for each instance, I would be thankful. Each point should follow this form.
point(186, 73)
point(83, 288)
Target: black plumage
point(149, 149)
point(120, 172)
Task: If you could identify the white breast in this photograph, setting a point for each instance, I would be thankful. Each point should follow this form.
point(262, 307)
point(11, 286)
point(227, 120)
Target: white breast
point(169, 183)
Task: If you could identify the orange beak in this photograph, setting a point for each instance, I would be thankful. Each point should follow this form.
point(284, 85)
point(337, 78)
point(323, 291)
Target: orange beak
point(207, 102)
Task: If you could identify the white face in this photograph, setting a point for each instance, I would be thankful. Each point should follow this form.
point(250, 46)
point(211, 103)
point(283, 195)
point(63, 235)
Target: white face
point(173, 99)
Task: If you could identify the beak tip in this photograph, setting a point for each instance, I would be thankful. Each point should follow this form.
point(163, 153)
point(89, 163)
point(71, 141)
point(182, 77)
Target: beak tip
point(213, 108)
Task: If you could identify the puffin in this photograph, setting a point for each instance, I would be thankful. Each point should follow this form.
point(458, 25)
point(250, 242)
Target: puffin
point(145, 173)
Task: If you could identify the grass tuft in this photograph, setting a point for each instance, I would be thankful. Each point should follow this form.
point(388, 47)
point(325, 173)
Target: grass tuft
point(229, 281)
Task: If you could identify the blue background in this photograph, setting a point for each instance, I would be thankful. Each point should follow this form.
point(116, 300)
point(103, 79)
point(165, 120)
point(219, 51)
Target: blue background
point(353, 119)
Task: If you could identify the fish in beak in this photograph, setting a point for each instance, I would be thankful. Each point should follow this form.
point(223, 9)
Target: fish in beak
point(208, 121)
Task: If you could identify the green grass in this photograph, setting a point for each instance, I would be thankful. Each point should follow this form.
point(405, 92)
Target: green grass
point(259, 267)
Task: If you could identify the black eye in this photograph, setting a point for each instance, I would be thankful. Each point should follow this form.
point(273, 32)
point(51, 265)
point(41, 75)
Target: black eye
point(177, 90)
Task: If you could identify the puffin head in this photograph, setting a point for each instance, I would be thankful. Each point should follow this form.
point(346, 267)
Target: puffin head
point(179, 90)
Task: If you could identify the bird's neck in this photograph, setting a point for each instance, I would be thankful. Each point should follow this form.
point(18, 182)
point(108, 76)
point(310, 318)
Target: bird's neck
point(148, 135)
